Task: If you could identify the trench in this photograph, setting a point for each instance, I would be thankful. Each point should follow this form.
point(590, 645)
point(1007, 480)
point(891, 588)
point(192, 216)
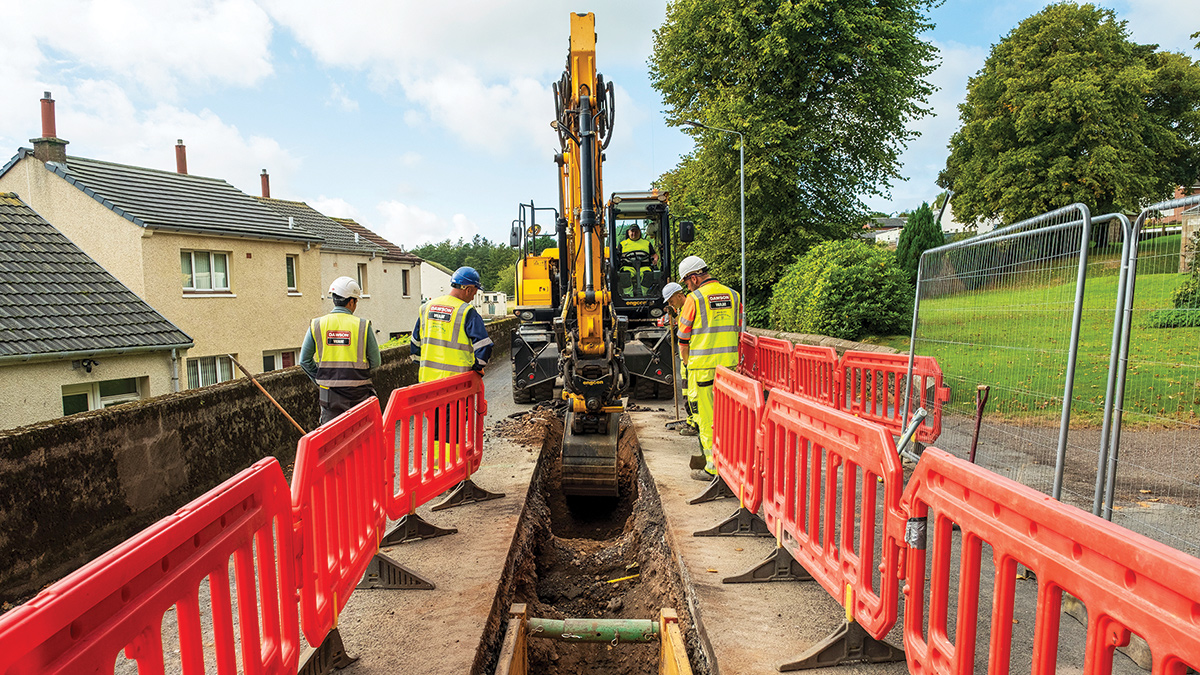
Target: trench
point(572, 557)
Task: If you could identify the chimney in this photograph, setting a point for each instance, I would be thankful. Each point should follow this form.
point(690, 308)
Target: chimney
point(49, 148)
point(266, 185)
point(180, 157)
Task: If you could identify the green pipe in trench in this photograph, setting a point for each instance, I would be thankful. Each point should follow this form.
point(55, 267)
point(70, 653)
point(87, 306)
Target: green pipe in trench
point(595, 630)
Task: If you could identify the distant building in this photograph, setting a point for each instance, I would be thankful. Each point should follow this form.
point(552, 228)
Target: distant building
point(227, 270)
point(435, 280)
point(951, 226)
point(72, 337)
point(398, 288)
point(491, 304)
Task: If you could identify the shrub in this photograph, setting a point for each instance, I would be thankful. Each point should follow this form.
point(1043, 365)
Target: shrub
point(844, 289)
point(1172, 318)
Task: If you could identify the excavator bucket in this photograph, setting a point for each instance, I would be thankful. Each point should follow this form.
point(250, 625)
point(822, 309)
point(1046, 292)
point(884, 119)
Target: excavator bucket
point(589, 460)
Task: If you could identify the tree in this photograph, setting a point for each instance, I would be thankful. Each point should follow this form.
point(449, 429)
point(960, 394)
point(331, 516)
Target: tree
point(823, 91)
point(1067, 109)
point(920, 234)
point(487, 258)
point(845, 289)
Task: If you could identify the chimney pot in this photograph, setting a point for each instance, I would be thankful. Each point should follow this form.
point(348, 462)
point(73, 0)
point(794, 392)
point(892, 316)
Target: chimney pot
point(266, 185)
point(180, 157)
point(49, 148)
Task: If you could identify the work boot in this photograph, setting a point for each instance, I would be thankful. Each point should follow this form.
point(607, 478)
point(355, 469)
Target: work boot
point(697, 462)
point(689, 430)
point(702, 475)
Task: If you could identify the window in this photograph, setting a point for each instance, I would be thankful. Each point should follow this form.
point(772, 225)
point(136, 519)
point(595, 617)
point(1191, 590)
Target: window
point(404, 282)
point(96, 395)
point(204, 270)
point(362, 278)
point(274, 360)
point(208, 370)
point(291, 273)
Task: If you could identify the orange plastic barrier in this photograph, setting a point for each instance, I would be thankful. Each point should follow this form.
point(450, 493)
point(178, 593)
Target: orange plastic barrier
point(809, 450)
point(813, 373)
point(748, 354)
point(423, 457)
point(737, 409)
point(339, 492)
point(1127, 581)
point(774, 363)
point(871, 385)
point(119, 600)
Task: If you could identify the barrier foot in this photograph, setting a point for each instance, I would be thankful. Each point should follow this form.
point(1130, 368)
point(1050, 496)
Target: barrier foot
point(717, 489)
point(743, 522)
point(383, 572)
point(848, 644)
point(413, 527)
point(327, 657)
point(466, 492)
point(779, 565)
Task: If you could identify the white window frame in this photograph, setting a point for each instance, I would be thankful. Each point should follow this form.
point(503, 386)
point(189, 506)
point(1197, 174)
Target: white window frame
point(193, 364)
point(189, 283)
point(294, 262)
point(362, 279)
point(277, 354)
point(406, 283)
point(96, 401)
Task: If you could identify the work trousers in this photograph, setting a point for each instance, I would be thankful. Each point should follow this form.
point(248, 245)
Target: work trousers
point(688, 405)
point(700, 398)
point(337, 400)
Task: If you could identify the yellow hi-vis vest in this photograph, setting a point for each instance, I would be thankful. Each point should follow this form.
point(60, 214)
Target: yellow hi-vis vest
point(714, 339)
point(341, 350)
point(445, 348)
point(630, 246)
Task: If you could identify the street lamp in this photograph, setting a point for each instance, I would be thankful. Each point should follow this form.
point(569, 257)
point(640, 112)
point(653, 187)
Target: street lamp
point(742, 180)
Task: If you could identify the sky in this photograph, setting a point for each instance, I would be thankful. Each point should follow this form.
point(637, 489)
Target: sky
point(421, 120)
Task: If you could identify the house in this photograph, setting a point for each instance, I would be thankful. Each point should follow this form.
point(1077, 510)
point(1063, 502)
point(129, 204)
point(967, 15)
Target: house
point(952, 229)
point(435, 280)
point(399, 286)
point(491, 303)
point(227, 270)
point(72, 337)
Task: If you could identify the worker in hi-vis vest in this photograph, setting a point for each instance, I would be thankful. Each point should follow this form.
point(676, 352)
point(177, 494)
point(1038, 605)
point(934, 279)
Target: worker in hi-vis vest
point(708, 337)
point(450, 338)
point(637, 256)
point(674, 297)
point(340, 351)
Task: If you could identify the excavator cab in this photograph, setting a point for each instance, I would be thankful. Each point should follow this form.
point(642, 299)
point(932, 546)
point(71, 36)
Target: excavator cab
point(640, 261)
point(534, 350)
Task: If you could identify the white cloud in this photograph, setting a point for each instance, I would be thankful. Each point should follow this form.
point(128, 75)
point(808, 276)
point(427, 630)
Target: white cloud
point(411, 159)
point(334, 207)
point(338, 97)
point(409, 226)
point(159, 46)
point(1163, 22)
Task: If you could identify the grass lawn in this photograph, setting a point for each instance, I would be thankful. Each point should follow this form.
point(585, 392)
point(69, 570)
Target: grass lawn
point(1015, 339)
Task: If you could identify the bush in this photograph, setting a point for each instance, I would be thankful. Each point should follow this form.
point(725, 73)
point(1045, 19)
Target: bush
point(844, 289)
point(1172, 318)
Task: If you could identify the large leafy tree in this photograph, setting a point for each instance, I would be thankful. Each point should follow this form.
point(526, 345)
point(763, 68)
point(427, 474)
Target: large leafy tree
point(920, 234)
point(823, 91)
point(489, 259)
point(1068, 109)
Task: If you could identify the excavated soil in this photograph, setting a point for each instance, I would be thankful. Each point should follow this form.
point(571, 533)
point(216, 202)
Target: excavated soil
point(571, 557)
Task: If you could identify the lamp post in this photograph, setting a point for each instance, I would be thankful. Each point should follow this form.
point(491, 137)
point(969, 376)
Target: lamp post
point(742, 181)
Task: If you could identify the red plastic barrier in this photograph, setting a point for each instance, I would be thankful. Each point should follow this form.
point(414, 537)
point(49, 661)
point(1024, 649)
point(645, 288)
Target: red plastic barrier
point(748, 355)
point(808, 451)
point(774, 363)
point(1128, 582)
point(813, 373)
point(118, 601)
point(871, 386)
point(737, 409)
point(339, 493)
point(432, 458)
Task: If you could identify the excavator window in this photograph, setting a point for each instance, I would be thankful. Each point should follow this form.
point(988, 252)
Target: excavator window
point(639, 262)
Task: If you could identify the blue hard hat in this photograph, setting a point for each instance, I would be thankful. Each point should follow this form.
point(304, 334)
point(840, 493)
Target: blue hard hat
point(466, 276)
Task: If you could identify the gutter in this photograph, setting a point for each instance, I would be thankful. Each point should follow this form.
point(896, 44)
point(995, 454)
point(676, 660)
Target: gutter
point(89, 353)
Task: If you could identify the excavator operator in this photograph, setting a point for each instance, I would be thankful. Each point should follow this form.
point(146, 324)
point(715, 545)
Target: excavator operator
point(637, 257)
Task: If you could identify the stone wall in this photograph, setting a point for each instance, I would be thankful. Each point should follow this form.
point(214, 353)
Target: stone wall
point(839, 346)
point(74, 487)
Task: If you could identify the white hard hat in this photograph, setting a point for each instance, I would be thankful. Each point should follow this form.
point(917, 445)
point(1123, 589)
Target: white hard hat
point(670, 290)
point(345, 287)
point(690, 265)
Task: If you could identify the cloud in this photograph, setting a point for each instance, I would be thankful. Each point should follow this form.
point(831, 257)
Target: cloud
point(409, 226)
point(338, 97)
point(1160, 21)
point(158, 46)
point(334, 207)
point(410, 159)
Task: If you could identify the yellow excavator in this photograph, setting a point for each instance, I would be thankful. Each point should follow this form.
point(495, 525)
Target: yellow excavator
point(588, 331)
